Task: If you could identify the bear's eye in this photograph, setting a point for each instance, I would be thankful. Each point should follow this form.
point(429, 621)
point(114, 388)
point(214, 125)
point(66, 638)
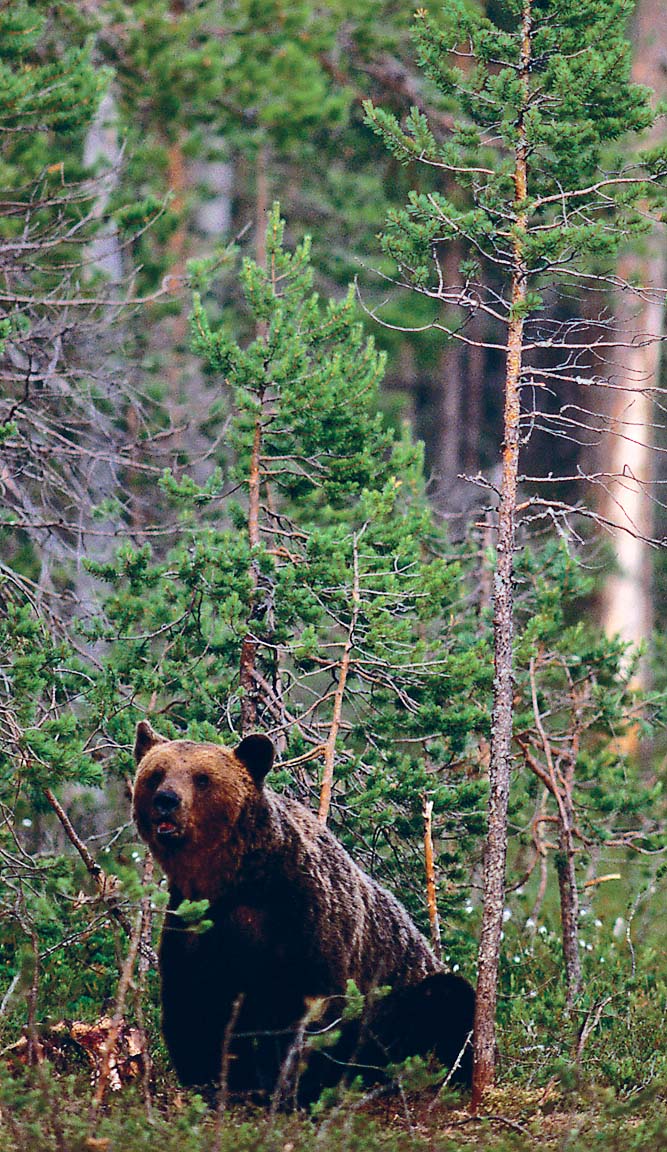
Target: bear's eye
point(154, 778)
point(202, 779)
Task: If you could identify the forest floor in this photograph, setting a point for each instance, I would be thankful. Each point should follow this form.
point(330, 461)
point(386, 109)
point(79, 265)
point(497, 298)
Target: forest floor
point(45, 1113)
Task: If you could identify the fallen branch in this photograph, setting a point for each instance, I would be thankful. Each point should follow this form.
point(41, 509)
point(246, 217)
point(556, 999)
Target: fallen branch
point(602, 879)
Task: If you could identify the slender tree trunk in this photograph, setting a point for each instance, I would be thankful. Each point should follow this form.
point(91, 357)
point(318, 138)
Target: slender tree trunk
point(500, 765)
point(429, 867)
point(177, 246)
point(447, 423)
point(249, 644)
point(559, 783)
point(475, 375)
point(448, 454)
point(339, 695)
point(569, 899)
point(248, 658)
point(262, 204)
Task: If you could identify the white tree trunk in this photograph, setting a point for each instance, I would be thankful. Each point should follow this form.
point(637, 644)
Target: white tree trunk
point(627, 607)
point(102, 147)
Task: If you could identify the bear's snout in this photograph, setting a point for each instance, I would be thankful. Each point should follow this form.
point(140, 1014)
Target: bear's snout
point(167, 814)
point(166, 801)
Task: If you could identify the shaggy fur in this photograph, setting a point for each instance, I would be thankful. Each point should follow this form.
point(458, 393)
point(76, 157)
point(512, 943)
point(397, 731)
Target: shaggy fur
point(294, 918)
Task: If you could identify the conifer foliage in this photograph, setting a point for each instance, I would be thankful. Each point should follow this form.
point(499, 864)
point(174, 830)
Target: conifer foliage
point(293, 577)
point(542, 198)
point(310, 593)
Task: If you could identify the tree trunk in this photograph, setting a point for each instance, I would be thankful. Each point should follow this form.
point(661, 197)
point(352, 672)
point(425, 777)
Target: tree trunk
point(339, 696)
point(262, 204)
point(627, 608)
point(495, 853)
point(177, 247)
point(569, 901)
point(563, 785)
point(102, 144)
point(429, 868)
point(248, 656)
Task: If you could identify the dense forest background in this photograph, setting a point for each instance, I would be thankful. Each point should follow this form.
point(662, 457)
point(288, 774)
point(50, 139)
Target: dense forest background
point(251, 465)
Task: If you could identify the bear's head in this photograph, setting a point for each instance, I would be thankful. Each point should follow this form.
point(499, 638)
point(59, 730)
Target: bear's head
point(194, 804)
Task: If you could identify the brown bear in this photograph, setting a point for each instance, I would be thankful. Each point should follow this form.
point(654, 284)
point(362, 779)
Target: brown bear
point(293, 920)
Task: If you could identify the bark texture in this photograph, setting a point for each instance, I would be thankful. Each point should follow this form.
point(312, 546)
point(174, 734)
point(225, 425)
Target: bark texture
point(500, 765)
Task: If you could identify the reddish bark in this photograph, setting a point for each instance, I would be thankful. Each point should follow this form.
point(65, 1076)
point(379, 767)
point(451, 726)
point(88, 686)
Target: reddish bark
point(429, 867)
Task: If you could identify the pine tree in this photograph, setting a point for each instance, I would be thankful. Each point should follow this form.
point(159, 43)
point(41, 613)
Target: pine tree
point(544, 197)
point(309, 591)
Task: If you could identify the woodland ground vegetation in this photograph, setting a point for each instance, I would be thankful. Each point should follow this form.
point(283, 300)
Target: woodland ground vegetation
point(230, 525)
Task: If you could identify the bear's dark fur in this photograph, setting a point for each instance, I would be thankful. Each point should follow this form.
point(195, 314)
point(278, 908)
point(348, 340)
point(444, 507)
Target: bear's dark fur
point(293, 920)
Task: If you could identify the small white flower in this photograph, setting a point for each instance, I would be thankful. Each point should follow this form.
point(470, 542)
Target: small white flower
point(517, 959)
point(542, 929)
point(507, 915)
point(456, 968)
point(598, 923)
point(530, 923)
point(27, 823)
point(583, 912)
point(135, 856)
point(469, 908)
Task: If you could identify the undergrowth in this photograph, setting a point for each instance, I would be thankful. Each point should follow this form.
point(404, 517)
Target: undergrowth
point(42, 1113)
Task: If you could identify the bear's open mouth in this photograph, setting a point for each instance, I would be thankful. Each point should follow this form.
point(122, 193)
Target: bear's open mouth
point(166, 828)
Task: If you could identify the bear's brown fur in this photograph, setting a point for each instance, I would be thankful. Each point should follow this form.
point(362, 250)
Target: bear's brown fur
point(294, 917)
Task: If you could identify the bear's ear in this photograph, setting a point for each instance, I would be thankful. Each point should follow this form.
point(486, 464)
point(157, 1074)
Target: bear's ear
point(256, 754)
point(146, 739)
